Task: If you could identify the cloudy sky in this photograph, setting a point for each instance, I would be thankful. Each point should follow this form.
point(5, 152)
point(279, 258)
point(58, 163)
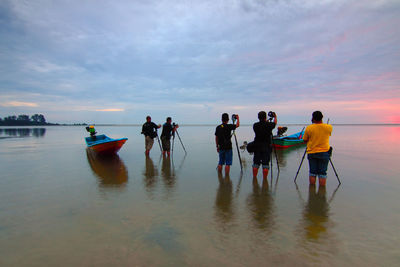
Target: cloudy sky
point(99, 61)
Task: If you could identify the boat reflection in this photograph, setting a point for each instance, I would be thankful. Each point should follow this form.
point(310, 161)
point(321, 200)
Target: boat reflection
point(110, 169)
point(224, 201)
point(260, 204)
point(22, 132)
point(283, 154)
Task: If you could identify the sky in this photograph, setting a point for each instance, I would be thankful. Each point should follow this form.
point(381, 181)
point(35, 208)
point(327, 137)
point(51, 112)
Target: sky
point(98, 61)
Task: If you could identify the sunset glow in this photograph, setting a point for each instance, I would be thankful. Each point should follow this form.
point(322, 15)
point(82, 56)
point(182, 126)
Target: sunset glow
point(71, 62)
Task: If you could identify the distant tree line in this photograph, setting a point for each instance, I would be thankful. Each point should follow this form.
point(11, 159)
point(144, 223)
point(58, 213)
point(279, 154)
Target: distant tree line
point(24, 120)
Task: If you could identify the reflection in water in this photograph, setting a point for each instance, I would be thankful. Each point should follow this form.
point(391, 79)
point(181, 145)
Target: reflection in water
point(261, 206)
point(22, 132)
point(224, 199)
point(150, 175)
point(316, 213)
point(282, 154)
point(110, 169)
point(168, 174)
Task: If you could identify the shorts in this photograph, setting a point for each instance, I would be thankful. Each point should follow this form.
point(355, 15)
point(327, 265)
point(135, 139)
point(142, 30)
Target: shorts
point(225, 157)
point(262, 157)
point(318, 164)
point(148, 142)
point(166, 144)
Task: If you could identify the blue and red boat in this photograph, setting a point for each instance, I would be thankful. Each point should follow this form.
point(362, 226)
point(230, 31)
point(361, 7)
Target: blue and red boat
point(288, 141)
point(103, 144)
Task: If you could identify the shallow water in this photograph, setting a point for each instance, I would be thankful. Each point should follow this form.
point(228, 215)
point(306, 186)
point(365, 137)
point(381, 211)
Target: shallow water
point(60, 205)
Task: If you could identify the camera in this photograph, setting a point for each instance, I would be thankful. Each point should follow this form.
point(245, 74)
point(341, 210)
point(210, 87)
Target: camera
point(234, 117)
point(271, 114)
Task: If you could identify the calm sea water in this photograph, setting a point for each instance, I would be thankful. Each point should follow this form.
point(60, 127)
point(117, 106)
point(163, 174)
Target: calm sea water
point(60, 205)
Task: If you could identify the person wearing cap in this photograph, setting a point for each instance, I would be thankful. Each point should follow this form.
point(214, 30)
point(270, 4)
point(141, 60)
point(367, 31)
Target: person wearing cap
point(149, 129)
point(263, 136)
point(223, 142)
point(167, 131)
point(318, 149)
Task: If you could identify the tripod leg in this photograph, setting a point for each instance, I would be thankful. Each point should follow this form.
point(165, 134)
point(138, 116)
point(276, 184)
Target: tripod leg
point(335, 171)
point(181, 141)
point(237, 147)
point(159, 143)
point(173, 142)
point(295, 178)
point(276, 157)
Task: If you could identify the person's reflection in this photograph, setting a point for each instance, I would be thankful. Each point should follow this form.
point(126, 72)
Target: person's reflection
point(224, 209)
point(150, 175)
point(316, 213)
point(260, 204)
point(167, 173)
point(110, 169)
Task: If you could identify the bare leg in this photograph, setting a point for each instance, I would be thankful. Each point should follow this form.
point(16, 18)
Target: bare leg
point(313, 180)
point(322, 181)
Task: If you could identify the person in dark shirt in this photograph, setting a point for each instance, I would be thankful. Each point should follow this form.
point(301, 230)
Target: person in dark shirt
point(223, 142)
point(166, 133)
point(149, 129)
point(263, 135)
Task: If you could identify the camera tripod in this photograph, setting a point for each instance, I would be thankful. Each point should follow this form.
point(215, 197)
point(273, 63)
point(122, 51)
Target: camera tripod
point(237, 146)
point(333, 167)
point(173, 139)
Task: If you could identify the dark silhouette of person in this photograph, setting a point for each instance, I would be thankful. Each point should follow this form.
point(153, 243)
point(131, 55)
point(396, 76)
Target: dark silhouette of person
point(168, 174)
point(260, 204)
point(150, 175)
point(224, 208)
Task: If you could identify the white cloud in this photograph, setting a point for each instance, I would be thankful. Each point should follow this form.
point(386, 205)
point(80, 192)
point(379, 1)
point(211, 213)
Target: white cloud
point(18, 104)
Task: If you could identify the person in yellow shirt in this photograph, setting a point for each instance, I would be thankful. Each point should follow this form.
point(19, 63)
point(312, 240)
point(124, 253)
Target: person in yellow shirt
point(318, 149)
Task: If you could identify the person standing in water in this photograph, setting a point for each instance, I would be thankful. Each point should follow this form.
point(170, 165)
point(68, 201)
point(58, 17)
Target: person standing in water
point(167, 131)
point(263, 136)
point(318, 149)
point(149, 129)
point(223, 142)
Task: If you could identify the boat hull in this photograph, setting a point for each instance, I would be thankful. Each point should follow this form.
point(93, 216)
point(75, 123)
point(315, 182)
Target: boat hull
point(279, 143)
point(288, 141)
point(102, 144)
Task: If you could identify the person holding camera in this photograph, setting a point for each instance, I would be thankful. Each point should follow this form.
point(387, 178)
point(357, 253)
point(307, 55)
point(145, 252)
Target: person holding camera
point(262, 140)
point(149, 129)
point(167, 131)
point(318, 149)
point(223, 141)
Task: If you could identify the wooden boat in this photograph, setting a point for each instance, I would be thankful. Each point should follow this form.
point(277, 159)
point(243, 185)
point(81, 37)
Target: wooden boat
point(288, 141)
point(103, 144)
